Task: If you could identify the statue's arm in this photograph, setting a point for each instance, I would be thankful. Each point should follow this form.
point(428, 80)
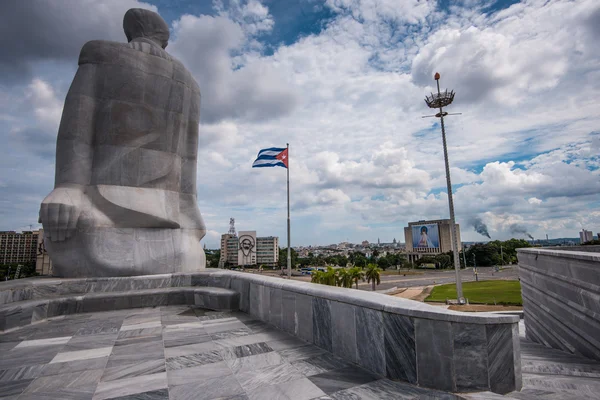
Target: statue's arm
point(190, 153)
point(60, 210)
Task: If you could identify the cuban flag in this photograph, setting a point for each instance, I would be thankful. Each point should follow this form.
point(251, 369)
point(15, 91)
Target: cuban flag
point(272, 157)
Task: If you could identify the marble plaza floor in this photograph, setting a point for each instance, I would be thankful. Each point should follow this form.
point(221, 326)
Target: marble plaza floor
point(179, 352)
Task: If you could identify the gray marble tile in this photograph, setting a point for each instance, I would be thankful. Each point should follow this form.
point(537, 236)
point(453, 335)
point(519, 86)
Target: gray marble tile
point(343, 325)
point(223, 325)
point(288, 311)
point(16, 315)
point(301, 389)
point(516, 342)
point(257, 326)
point(162, 394)
point(230, 334)
point(44, 342)
point(246, 350)
point(319, 364)
point(90, 342)
point(79, 393)
point(133, 369)
point(434, 354)
point(500, 358)
point(303, 317)
point(140, 333)
point(301, 353)
point(400, 356)
point(271, 375)
point(322, 335)
point(217, 388)
point(127, 341)
point(343, 378)
point(71, 380)
point(28, 356)
point(385, 389)
point(275, 303)
point(40, 312)
point(194, 360)
point(264, 301)
point(470, 357)
point(254, 300)
point(286, 343)
point(198, 373)
point(123, 355)
point(21, 373)
point(13, 388)
point(185, 338)
point(370, 339)
point(250, 339)
point(243, 288)
point(99, 327)
point(74, 366)
point(257, 361)
point(190, 349)
point(129, 386)
point(82, 354)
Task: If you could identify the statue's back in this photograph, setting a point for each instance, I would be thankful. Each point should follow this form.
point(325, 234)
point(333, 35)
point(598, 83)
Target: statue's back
point(146, 114)
point(124, 201)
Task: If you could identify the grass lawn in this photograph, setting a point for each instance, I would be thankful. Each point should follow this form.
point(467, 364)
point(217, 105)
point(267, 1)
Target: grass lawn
point(482, 292)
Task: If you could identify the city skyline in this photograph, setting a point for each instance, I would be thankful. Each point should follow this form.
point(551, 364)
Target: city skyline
point(343, 82)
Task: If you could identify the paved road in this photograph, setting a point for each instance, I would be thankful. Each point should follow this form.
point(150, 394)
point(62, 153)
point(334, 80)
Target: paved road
point(440, 277)
point(428, 277)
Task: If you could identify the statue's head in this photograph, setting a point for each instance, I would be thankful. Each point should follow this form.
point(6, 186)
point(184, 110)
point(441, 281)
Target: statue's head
point(139, 22)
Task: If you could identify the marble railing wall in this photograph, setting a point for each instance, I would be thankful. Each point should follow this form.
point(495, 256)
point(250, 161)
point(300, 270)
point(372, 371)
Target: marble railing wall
point(561, 298)
point(397, 338)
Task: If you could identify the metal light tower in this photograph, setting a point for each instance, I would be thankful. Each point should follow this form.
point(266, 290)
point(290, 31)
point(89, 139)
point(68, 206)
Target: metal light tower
point(439, 100)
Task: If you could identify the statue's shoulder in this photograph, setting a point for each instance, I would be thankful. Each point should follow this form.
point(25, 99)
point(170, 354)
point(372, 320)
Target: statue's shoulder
point(181, 73)
point(100, 51)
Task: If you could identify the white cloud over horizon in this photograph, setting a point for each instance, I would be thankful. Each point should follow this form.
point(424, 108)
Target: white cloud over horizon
point(349, 100)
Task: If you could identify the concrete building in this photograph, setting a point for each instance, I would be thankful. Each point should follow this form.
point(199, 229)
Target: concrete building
point(267, 250)
point(18, 248)
point(247, 249)
point(586, 236)
point(429, 238)
point(229, 250)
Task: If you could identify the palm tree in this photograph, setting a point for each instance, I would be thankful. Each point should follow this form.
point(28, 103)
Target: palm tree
point(330, 276)
point(317, 277)
point(373, 275)
point(356, 273)
point(344, 279)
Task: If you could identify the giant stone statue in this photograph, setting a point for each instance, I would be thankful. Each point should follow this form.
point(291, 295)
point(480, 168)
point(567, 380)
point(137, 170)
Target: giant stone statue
point(124, 198)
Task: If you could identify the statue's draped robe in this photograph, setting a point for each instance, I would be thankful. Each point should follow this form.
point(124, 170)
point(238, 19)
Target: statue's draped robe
point(129, 137)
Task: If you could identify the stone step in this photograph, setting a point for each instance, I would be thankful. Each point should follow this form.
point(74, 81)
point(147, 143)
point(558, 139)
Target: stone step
point(22, 313)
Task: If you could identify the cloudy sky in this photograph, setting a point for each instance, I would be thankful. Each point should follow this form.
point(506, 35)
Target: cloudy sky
point(343, 82)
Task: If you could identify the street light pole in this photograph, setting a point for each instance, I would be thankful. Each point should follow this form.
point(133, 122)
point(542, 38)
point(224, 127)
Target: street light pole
point(439, 101)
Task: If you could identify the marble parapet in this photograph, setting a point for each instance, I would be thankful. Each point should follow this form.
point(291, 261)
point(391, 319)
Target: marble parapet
point(397, 338)
point(19, 314)
point(561, 298)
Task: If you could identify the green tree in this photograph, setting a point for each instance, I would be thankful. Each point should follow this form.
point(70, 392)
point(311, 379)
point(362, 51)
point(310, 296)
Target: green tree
point(283, 258)
point(344, 278)
point(383, 263)
point(356, 273)
point(373, 275)
point(317, 277)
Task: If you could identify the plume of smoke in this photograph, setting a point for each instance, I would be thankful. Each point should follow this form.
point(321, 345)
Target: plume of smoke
point(516, 228)
point(480, 226)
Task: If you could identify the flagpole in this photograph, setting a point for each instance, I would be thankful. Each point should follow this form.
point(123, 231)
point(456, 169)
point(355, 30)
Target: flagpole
point(289, 252)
